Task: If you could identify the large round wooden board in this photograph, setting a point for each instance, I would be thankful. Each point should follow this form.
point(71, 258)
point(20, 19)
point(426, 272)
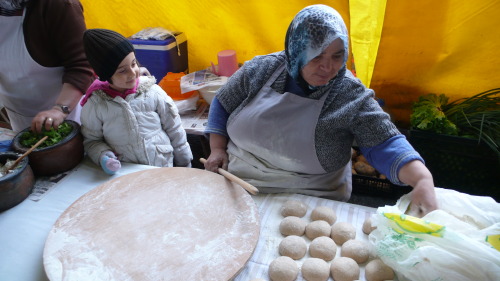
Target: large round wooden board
point(158, 224)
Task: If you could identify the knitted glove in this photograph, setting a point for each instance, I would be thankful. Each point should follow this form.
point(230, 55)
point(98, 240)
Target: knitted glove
point(109, 163)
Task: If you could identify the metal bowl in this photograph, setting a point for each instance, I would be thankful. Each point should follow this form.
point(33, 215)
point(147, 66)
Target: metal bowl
point(16, 185)
point(55, 159)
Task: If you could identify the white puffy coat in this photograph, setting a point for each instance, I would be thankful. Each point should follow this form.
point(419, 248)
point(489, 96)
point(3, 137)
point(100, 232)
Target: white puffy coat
point(144, 128)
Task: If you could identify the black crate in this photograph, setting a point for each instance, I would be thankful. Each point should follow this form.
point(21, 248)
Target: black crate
point(365, 185)
point(374, 186)
point(459, 163)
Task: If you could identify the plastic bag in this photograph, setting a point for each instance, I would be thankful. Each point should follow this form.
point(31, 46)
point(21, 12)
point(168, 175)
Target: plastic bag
point(460, 241)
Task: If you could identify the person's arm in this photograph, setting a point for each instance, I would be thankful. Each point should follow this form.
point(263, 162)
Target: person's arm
point(69, 96)
point(218, 138)
point(218, 156)
point(171, 124)
point(399, 161)
point(54, 37)
point(423, 196)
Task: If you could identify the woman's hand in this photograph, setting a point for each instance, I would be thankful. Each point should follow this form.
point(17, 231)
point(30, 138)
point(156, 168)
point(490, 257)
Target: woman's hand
point(218, 159)
point(423, 195)
point(218, 156)
point(423, 200)
point(47, 119)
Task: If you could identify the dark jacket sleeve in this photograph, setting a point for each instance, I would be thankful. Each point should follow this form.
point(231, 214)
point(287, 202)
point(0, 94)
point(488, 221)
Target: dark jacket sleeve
point(53, 31)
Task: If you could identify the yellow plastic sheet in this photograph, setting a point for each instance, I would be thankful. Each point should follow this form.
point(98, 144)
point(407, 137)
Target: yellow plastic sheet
point(444, 47)
point(403, 48)
point(367, 19)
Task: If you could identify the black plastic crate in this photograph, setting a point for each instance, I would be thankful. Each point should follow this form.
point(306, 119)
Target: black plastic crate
point(374, 186)
point(459, 163)
point(366, 185)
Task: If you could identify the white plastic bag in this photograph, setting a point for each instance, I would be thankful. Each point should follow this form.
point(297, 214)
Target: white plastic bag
point(456, 242)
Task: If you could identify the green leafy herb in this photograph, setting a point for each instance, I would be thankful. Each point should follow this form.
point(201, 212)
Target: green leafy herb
point(29, 138)
point(429, 114)
point(476, 117)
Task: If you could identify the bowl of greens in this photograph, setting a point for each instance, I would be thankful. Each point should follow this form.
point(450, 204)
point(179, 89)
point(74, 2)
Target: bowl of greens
point(17, 182)
point(62, 150)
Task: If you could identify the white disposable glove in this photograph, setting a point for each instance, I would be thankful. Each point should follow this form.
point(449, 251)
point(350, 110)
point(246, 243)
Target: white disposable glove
point(109, 163)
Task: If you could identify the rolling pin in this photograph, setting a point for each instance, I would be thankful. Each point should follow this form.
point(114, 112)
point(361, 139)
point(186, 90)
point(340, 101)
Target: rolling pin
point(248, 187)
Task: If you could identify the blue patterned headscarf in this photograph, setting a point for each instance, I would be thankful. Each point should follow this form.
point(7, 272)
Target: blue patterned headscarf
point(312, 30)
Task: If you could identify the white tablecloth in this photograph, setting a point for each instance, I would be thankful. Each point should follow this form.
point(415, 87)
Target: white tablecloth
point(24, 228)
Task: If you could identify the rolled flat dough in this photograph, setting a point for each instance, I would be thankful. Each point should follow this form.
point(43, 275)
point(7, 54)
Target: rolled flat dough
point(158, 224)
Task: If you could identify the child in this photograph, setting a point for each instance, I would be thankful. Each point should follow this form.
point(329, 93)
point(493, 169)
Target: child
point(125, 116)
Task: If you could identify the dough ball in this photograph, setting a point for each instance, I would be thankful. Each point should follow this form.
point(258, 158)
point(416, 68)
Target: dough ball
point(293, 246)
point(323, 247)
point(342, 231)
point(344, 269)
point(356, 249)
point(377, 270)
point(324, 213)
point(258, 279)
point(314, 269)
point(292, 225)
point(367, 226)
point(317, 228)
point(293, 208)
point(283, 269)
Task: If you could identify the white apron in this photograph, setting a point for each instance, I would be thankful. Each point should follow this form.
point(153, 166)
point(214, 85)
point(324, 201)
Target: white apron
point(272, 146)
point(26, 87)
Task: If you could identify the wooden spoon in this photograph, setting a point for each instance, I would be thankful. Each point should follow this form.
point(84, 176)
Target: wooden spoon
point(248, 187)
point(14, 165)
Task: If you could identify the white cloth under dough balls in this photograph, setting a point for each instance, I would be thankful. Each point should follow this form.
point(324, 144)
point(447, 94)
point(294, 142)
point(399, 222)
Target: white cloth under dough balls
point(367, 226)
point(324, 213)
point(377, 270)
point(293, 246)
point(356, 249)
point(293, 225)
point(314, 269)
point(344, 269)
point(323, 247)
point(318, 228)
point(293, 208)
point(342, 232)
point(283, 269)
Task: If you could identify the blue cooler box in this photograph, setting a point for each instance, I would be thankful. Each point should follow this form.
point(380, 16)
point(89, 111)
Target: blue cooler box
point(162, 56)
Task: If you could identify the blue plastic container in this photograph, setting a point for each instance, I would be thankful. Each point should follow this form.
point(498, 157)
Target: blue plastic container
point(162, 56)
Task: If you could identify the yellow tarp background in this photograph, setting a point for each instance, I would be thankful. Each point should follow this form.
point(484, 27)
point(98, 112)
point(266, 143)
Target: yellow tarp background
point(402, 48)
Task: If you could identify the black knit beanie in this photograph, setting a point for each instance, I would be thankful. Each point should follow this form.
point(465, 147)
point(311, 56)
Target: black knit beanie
point(105, 50)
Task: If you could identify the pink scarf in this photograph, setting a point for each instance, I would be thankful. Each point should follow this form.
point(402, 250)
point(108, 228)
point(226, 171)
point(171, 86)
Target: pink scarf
point(105, 87)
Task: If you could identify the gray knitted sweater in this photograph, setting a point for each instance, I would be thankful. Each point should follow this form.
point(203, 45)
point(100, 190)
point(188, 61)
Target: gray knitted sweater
point(350, 111)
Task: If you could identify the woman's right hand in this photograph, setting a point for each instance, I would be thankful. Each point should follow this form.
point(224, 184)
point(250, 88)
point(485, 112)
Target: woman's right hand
point(218, 159)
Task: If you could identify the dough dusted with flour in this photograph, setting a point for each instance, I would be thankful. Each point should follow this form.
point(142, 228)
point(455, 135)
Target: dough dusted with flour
point(323, 247)
point(293, 246)
point(342, 231)
point(367, 226)
point(344, 269)
point(356, 249)
point(293, 208)
point(324, 213)
point(293, 225)
point(377, 270)
point(314, 269)
point(318, 228)
point(283, 269)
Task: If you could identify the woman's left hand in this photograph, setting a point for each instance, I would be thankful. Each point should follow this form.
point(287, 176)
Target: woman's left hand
point(47, 119)
point(423, 200)
point(423, 195)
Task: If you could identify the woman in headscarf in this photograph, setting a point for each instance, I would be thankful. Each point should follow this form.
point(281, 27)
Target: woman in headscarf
point(286, 122)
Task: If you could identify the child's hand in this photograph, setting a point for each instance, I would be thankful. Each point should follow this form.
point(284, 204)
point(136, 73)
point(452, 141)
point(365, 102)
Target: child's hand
point(109, 163)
